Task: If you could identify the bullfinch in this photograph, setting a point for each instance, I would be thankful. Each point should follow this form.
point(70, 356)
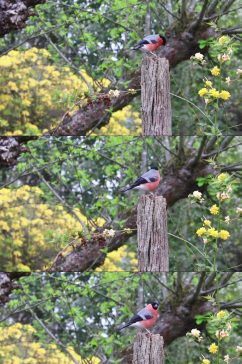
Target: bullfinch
point(144, 319)
point(149, 181)
point(150, 43)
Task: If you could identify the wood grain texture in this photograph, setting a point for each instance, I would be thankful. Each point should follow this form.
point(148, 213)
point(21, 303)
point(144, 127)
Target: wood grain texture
point(148, 349)
point(155, 96)
point(153, 250)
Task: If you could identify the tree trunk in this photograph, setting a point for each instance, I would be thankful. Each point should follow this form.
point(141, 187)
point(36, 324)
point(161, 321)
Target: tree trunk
point(155, 96)
point(152, 234)
point(148, 349)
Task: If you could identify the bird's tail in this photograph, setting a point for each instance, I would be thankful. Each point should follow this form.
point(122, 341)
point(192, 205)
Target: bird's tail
point(138, 46)
point(122, 327)
point(124, 189)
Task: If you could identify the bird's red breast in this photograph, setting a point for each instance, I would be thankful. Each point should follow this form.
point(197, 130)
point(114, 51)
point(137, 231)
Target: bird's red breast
point(147, 324)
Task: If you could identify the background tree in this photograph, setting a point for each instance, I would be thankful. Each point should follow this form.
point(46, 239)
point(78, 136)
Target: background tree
point(86, 174)
point(95, 38)
point(83, 311)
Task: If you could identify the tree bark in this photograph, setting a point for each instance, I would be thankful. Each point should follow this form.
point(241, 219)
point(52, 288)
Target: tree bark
point(155, 96)
point(148, 349)
point(7, 284)
point(153, 247)
point(13, 14)
point(11, 148)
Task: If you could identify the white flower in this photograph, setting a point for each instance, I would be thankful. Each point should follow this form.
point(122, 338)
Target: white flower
point(223, 58)
point(226, 358)
point(227, 219)
point(239, 210)
point(197, 195)
point(195, 333)
point(228, 80)
point(113, 93)
point(221, 334)
point(199, 56)
point(108, 233)
point(238, 349)
point(239, 72)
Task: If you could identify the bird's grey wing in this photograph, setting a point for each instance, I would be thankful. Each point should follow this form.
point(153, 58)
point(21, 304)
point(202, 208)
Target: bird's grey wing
point(145, 314)
point(151, 175)
point(153, 38)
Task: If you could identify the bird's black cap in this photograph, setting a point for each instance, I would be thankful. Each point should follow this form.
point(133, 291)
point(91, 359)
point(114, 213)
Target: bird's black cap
point(155, 305)
point(163, 38)
point(154, 167)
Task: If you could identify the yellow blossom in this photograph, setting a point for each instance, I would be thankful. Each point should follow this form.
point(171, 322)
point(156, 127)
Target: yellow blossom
point(214, 93)
point(224, 234)
point(206, 361)
point(224, 95)
point(208, 83)
point(222, 177)
point(212, 232)
point(201, 231)
point(224, 39)
point(215, 71)
point(202, 92)
point(207, 222)
point(221, 314)
point(213, 348)
point(214, 210)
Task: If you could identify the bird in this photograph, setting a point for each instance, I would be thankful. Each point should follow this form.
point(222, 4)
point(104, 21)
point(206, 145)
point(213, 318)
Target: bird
point(150, 43)
point(149, 181)
point(143, 319)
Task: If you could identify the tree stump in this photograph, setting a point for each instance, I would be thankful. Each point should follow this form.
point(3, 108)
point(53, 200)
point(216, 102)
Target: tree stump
point(148, 349)
point(155, 96)
point(153, 250)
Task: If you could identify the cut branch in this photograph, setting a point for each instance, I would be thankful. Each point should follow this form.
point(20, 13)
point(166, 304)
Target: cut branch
point(148, 349)
point(153, 248)
point(155, 96)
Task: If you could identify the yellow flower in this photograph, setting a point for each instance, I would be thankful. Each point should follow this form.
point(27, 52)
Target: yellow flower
point(202, 92)
point(214, 210)
point(224, 95)
point(207, 222)
point(201, 231)
point(212, 232)
point(224, 234)
point(213, 348)
point(221, 314)
point(224, 39)
point(206, 361)
point(208, 83)
point(215, 71)
point(214, 93)
point(222, 177)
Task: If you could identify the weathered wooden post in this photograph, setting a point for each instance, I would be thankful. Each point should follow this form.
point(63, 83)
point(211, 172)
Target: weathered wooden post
point(155, 96)
point(153, 250)
point(148, 349)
